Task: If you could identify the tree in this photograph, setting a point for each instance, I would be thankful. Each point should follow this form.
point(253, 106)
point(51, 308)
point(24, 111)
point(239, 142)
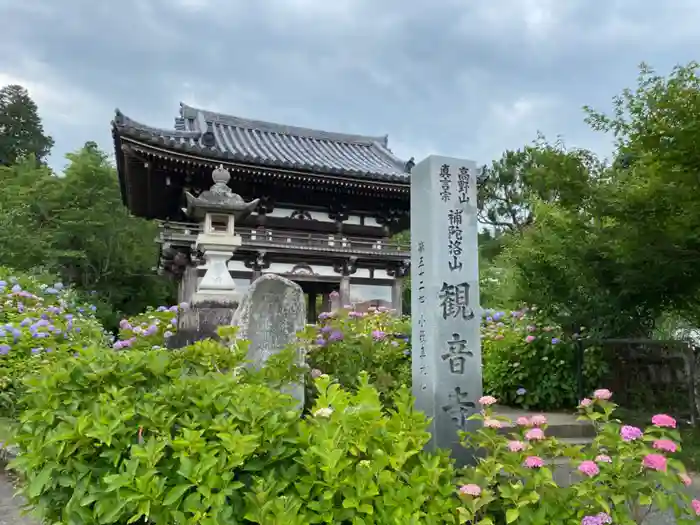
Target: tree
point(21, 131)
point(76, 227)
point(632, 253)
point(541, 171)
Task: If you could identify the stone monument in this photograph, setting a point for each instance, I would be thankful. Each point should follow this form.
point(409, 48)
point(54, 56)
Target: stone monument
point(215, 298)
point(445, 308)
point(270, 315)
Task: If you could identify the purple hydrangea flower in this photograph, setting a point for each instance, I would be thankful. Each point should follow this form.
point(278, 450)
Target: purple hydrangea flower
point(336, 335)
point(555, 341)
point(378, 335)
point(5, 349)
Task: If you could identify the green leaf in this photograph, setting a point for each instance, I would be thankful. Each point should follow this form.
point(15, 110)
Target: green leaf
point(175, 493)
point(38, 483)
point(512, 515)
point(645, 500)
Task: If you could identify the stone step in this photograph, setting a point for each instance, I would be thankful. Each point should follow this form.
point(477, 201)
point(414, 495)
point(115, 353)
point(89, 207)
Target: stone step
point(559, 424)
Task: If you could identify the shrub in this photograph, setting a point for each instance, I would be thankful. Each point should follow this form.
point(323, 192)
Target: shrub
point(39, 322)
point(192, 435)
point(346, 343)
point(531, 362)
point(618, 477)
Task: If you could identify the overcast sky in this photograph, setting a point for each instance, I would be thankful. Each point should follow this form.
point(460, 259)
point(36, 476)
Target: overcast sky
point(467, 78)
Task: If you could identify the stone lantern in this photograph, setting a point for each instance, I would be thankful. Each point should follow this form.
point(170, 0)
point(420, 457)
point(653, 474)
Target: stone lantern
point(217, 209)
point(215, 298)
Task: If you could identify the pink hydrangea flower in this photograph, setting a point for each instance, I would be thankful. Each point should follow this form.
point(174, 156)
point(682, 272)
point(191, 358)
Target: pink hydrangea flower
point(603, 394)
point(655, 462)
point(470, 490)
point(523, 422)
point(516, 446)
point(630, 433)
point(602, 458)
point(589, 468)
point(487, 400)
point(529, 338)
point(685, 479)
point(585, 402)
point(533, 462)
point(696, 506)
point(316, 373)
point(492, 423)
point(538, 420)
point(663, 420)
point(665, 444)
point(534, 434)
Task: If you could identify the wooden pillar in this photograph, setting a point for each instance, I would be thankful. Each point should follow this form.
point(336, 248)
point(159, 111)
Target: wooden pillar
point(398, 271)
point(344, 290)
point(345, 268)
point(257, 262)
point(188, 285)
point(397, 295)
point(312, 314)
point(326, 302)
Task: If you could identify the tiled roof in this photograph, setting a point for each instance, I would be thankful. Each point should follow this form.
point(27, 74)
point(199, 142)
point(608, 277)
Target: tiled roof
point(225, 137)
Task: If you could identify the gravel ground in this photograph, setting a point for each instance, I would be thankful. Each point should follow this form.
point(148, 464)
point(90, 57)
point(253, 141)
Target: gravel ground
point(10, 506)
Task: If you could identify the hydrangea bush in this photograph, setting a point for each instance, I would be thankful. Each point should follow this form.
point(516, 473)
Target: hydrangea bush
point(619, 478)
point(149, 330)
point(530, 361)
point(345, 343)
point(40, 322)
point(194, 436)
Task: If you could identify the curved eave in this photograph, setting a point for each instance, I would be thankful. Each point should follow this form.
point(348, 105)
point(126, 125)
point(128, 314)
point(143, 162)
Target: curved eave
point(175, 147)
point(211, 158)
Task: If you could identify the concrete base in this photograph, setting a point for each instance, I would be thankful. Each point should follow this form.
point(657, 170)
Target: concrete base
point(201, 321)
